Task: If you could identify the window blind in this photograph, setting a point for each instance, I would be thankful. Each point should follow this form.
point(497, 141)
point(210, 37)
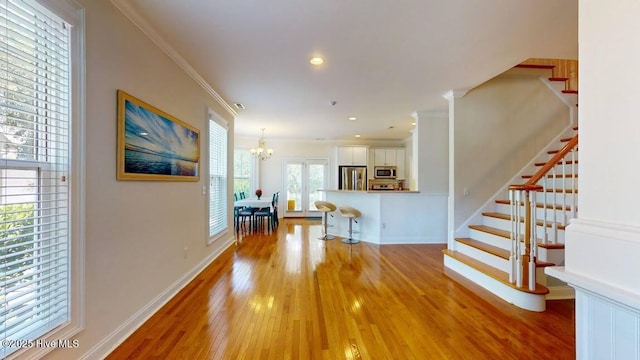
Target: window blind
point(34, 167)
point(217, 177)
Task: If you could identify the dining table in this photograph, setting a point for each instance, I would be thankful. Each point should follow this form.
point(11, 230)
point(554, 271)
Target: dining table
point(263, 202)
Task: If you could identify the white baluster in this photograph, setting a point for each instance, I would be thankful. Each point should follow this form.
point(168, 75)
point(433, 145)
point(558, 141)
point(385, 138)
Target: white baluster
point(533, 246)
point(574, 186)
point(521, 196)
point(545, 236)
point(555, 212)
point(512, 256)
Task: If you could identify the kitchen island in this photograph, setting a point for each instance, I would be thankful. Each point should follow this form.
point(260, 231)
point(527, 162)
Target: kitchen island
point(391, 217)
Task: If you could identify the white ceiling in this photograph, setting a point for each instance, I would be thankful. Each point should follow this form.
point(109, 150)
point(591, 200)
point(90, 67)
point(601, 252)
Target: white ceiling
point(385, 59)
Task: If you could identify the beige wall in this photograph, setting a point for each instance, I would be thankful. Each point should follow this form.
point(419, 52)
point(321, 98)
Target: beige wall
point(498, 128)
point(136, 231)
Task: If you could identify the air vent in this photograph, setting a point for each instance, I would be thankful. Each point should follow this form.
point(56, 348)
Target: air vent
point(239, 106)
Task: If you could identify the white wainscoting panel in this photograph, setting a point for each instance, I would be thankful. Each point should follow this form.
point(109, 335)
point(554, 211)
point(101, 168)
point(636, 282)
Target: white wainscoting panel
point(607, 318)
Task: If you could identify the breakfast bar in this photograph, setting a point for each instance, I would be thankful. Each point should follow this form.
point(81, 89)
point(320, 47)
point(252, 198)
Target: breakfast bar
point(392, 217)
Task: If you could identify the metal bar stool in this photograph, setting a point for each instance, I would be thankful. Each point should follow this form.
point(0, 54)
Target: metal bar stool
point(326, 207)
point(352, 214)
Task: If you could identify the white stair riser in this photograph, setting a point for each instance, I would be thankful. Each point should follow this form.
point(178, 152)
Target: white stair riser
point(491, 239)
point(551, 237)
point(503, 224)
point(567, 168)
point(557, 199)
point(485, 257)
point(505, 209)
point(559, 183)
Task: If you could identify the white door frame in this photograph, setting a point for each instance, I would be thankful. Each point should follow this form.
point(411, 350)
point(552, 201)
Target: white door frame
point(305, 192)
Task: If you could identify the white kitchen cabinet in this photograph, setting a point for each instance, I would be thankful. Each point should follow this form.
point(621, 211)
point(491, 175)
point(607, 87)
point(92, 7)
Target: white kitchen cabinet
point(352, 155)
point(379, 157)
point(387, 156)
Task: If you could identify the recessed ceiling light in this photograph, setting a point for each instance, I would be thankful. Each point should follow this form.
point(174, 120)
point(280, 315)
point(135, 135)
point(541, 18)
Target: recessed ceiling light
point(358, 135)
point(352, 118)
point(414, 124)
point(316, 60)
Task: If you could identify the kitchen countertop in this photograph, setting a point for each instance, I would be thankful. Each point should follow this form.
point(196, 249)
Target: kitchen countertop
point(374, 191)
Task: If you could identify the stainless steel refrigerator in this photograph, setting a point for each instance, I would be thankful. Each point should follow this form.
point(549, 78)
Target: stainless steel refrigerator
point(352, 178)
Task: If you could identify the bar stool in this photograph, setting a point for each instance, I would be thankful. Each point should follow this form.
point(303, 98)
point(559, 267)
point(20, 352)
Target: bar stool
point(326, 207)
point(352, 214)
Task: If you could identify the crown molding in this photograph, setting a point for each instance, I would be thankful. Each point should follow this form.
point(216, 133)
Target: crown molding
point(130, 13)
point(456, 93)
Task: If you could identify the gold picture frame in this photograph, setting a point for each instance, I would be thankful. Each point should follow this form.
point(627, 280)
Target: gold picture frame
point(153, 145)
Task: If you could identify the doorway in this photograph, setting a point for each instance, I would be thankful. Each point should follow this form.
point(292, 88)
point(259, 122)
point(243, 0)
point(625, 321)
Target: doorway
point(303, 179)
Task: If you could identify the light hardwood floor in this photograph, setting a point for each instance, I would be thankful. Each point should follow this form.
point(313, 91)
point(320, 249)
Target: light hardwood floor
point(289, 295)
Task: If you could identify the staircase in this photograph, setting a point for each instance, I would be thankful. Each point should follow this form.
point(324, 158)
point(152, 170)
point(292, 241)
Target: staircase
point(524, 232)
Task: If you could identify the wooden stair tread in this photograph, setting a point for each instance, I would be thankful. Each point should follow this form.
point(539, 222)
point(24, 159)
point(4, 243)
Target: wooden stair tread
point(550, 246)
point(540, 263)
point(570, 91)
point(535, 66)
point(568, 191)
point(566, 139)
point(494, 273)
point(550, 176)
point(493, 250)
point(538, 205)
point(491, 230)
point(559, 163)
point(558, 79)
point(508, 218)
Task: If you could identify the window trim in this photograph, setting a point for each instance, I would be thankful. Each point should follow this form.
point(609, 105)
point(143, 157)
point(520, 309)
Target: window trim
point(213, 116)
point(73, 14)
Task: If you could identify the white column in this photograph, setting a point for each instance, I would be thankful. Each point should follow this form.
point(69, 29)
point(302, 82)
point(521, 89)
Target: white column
point(451, 96)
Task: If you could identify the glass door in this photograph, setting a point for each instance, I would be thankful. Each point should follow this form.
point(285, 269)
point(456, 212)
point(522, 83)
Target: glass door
point(304, 177)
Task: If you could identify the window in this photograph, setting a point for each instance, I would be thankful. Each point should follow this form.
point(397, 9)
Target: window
point(218, 131)
point(243, 170)
point(37, 272)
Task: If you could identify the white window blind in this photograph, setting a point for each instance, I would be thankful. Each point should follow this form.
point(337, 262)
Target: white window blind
point(217, 177)
point(34, 171)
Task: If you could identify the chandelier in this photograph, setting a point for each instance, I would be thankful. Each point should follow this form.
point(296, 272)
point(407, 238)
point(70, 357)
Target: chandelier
point(261, 152)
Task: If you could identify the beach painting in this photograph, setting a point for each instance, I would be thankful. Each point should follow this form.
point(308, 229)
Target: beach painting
point(153, 145)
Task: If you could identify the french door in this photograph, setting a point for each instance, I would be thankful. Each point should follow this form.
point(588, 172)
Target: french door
point(303, 179)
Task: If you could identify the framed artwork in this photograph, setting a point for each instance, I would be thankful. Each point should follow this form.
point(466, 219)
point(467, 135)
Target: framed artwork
point(153, 145)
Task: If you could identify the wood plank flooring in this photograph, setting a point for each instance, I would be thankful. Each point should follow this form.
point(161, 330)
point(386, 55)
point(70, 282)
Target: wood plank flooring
point(289, 295)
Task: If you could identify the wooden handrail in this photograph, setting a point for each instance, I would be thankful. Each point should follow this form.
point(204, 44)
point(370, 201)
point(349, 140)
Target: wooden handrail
point(531, 184)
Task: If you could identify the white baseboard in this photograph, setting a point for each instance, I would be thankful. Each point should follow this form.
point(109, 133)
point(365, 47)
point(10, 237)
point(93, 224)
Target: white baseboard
point(113, 340)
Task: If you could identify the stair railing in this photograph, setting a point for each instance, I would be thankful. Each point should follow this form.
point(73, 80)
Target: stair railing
point(525, 227)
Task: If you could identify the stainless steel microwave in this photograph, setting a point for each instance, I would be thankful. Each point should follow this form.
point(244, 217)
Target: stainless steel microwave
point(384, 172)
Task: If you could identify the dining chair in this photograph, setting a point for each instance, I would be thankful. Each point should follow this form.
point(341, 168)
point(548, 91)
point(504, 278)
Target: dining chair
point(267, 213)
point(244, 214)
